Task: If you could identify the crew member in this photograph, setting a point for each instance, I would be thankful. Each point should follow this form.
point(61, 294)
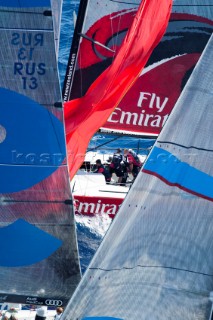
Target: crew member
point(101, 169)
point(132, 162)
point(115, 165)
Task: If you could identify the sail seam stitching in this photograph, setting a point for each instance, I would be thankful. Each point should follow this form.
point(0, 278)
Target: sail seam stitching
point(24, 12)
point(186, 147)
point(28, 29)
point(160, 267)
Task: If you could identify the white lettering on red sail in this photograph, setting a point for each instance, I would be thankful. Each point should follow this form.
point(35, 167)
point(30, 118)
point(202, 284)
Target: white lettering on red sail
point(96, 205)
point(152, 102)
point(147, 105)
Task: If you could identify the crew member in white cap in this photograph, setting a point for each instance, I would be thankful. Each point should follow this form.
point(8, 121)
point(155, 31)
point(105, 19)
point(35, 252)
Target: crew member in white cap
point(41, 313)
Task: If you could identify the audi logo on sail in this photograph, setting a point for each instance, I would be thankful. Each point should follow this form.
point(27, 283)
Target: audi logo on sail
point(56, 303)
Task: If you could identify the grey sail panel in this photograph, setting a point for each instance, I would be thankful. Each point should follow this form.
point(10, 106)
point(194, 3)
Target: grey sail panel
point(157, 262)
point(39, 259)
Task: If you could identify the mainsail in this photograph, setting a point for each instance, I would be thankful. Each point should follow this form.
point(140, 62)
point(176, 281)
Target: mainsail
point(39, 259)
point(146, 107)
point(157, 262)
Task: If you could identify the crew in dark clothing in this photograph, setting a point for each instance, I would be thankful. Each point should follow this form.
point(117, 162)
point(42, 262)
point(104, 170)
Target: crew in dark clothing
point(132, 162)
point(115, 165)
point(101, 169)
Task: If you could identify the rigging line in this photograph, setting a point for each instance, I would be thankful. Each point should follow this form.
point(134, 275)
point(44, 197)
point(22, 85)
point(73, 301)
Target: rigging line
point(57, 138)
point(31, 165)
point(160, 267)
point(192, 5)
point(112, 32)
point(78, 60)
point(174, 5)
point(52, 224)
point(26, 28)
point(131, 3)
point(114, 39)
point(186, 147)
point(117, 72)
point(24, 12)
point(95, 42)
point(33, 201)
point(127, 133)
point(100, 145)
point(120, 192)
point(134, 148)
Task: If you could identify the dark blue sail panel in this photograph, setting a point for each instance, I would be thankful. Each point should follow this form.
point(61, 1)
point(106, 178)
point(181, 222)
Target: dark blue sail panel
point(33, 156)
point(25, 244)
point(39, 258)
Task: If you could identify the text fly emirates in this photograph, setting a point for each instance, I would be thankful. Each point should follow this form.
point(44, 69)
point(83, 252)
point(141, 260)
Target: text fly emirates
point(153, 102)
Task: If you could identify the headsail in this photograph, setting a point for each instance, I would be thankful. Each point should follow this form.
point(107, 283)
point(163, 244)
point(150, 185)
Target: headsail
point(107, 91)
point(146, 107)
point(159, 265)
point(39, 259)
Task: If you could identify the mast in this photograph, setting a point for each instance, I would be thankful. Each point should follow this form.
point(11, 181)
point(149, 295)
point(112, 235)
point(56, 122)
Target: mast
point(71, 65)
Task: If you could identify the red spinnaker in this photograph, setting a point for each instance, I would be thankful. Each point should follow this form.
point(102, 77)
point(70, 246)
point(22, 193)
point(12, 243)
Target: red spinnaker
point(84, 116)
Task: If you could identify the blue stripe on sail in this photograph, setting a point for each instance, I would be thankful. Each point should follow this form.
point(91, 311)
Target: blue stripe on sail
point(24, 3)
point(173, 171)
point(24, 244)
point(33, 146)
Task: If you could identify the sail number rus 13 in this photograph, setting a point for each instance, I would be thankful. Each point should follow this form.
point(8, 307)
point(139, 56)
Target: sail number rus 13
point(27, 67)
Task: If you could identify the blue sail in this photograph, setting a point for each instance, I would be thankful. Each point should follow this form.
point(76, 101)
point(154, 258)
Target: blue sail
point(39, 256)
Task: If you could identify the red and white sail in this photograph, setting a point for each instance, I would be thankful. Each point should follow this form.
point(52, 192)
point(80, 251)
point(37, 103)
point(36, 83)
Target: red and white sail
point(85, 115)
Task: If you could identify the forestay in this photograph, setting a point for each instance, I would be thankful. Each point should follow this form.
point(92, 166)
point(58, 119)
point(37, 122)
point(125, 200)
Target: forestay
point(157, 263)
point(39, 260)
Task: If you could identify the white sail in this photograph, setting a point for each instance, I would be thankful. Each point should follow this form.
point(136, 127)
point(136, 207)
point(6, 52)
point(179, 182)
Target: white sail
point(157, 262)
